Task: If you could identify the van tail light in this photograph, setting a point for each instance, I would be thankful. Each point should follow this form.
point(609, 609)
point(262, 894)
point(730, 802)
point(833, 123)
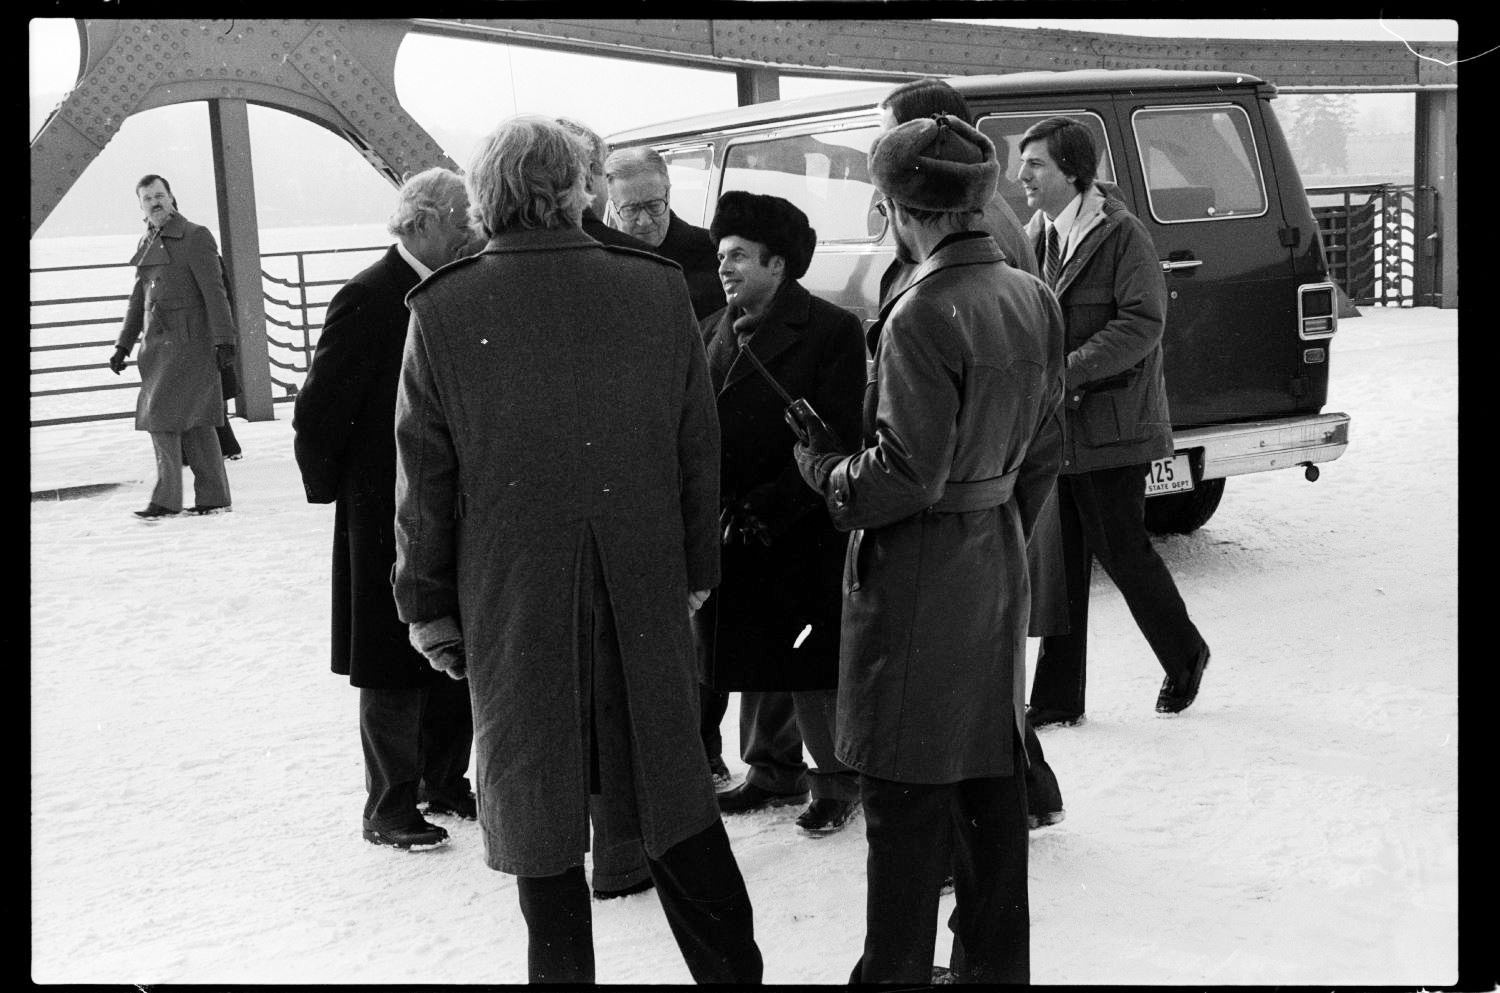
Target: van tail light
point(1317, 311)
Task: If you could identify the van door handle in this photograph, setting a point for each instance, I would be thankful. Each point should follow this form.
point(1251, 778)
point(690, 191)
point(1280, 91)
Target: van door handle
point(1175, 264)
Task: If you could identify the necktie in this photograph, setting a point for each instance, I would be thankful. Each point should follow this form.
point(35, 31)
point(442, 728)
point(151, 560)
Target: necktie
point(1054, 258)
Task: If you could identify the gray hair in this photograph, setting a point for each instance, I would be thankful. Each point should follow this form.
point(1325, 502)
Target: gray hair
point(433, 193)
point(526, 174)
point(627, 163)
point(593, 148)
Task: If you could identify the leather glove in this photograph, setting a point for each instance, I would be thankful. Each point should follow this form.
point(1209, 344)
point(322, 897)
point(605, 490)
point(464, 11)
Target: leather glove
point(810, 428)
point(117, 360)
point(814, 466)
point(443, 645)
point(224, 355)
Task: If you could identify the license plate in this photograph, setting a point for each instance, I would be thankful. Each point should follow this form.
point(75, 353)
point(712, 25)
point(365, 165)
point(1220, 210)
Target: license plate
point(1169, 476)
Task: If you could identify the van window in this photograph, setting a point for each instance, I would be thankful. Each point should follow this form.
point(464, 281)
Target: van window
point(687, 171)
point(1200, 163)
point(1005, 130)
point(826, 173)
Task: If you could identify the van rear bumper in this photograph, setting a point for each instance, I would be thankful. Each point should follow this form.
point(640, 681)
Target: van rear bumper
point(1260, 446)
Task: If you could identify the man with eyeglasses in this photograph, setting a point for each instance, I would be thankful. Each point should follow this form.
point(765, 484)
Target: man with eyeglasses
point(640, 205)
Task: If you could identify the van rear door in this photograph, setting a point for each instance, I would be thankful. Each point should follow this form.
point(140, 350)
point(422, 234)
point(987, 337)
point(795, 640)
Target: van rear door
point(1202, 181)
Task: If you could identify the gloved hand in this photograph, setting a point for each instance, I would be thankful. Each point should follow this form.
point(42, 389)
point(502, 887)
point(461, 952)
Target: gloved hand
point(117, 360)
point(811, 430)
point(814, 466)
point(442, 642)
point(224, 355)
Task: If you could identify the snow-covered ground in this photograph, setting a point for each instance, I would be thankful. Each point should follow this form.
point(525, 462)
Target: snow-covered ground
point(196, 780)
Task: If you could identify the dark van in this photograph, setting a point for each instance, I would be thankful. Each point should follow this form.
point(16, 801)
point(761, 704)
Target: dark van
point(1198, 156)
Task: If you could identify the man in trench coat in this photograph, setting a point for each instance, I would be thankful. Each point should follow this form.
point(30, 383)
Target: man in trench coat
point(556, 522)
point(960, 446)
point(771, 631)
point(179, 310)
point(414, 723)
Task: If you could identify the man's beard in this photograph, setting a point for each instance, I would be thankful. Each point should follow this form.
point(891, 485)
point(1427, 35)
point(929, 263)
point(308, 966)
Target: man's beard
point(903, 251)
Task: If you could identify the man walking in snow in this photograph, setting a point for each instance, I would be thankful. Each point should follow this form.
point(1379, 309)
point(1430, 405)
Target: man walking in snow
point(557, 504)
point(960, 446)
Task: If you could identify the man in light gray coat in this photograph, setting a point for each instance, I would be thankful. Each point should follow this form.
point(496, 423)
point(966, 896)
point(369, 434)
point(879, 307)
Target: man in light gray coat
point(179, 309)
point(556, 523)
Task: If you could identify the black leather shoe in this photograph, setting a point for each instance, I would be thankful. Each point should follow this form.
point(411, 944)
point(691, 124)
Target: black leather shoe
point(1041, 717)
point(416, 837)
point(826, 816)
point(747, 797)
point(1178, 695)
point(1046, 817)
point(465, 807)
point(640, 887)
point(200, 510)
point(153, 511)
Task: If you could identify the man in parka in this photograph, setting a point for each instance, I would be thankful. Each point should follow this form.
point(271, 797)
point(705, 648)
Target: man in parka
point(771, 631)
point(556, 523)
point(1100, 261)
point(960, 446)
point(179, 309)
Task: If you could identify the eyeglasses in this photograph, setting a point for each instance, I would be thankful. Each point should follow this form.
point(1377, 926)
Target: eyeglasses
point(653, 208)
point(883, 207)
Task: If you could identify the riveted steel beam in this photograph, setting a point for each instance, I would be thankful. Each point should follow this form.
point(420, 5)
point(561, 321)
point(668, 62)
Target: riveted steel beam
point(890, 49)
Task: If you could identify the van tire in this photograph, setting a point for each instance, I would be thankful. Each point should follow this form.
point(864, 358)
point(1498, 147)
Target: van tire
point(1184, 513)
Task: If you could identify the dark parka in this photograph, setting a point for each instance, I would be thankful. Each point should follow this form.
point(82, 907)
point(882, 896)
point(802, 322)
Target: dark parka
point(1114, 301)
point(179, 309)
point(961, 441)
point(344, 427)
point(748, 629)
point(555, 405)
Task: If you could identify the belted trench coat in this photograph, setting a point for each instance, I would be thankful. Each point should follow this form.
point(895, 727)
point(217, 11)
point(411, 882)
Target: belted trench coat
point(555, 425)
point(961, 438)
point(179, 310)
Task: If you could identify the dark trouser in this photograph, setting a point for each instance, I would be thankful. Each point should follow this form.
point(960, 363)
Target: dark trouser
point(1103, 516)
point(914, 832)
point(1042, 792)
point(416, 744)
point(701, 892)
point(199, 448)
point(774, 725)
point(229, 445)
point(712, 705)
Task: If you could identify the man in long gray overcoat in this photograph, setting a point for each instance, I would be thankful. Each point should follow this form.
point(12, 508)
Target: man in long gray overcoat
point(179, 311)
point(960, 445)
point(556, 522)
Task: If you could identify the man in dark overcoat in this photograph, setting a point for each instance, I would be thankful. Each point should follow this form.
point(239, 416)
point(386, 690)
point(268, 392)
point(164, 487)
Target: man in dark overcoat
point(771, 631)
point(179, 310)
point(414, 723)
point(556, 522)
point(640, 193)
point(960, 445)
point(1100, 261)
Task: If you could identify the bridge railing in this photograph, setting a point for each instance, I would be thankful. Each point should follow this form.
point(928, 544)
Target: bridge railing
point(1371, 238)
point(77, 310)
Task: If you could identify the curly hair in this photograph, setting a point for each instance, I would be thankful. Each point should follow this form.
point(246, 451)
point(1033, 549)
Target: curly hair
point(526, 174)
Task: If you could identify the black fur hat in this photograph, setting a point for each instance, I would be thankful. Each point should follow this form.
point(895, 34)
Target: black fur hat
point(776, 223)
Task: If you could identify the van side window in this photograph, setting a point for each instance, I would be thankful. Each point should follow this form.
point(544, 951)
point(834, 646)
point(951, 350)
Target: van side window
point(826, 173)
point(687, 171)
point(1200, 163)
point(1005, 130)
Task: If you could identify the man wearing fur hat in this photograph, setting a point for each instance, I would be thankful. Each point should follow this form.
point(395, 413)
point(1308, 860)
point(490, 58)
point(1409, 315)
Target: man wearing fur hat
point(961, 440)
point(771, 631)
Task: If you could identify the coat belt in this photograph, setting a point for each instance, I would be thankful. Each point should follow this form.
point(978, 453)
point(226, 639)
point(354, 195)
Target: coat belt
point(963, 496)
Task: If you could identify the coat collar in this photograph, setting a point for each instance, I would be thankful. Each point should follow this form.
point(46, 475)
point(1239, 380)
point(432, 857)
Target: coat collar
point(781, 326)
point(538, 240)
point(1097, 217)
point(150, 250)
point(968, 251)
